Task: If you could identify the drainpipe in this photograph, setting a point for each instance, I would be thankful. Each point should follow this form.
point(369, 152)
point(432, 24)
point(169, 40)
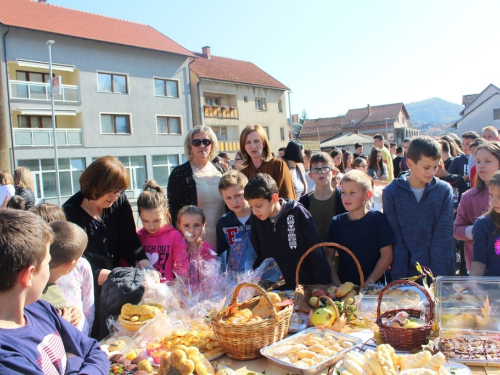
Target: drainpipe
point(5, 144)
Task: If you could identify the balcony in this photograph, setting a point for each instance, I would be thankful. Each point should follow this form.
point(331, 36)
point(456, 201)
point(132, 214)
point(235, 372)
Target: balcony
point(39, 137)
point(229, 146)
point(37, 91)
point(221, 112)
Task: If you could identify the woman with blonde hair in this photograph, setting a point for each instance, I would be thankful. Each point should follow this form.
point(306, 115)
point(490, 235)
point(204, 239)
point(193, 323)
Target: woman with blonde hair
point(256, 151)
point(7, 189)
point(196, 182)
point(23, 180)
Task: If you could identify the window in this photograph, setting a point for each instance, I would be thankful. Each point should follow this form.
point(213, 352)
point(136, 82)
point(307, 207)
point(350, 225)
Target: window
point(136, 167)
point(280, 106)
point(496, 114)
point(115, 124)
point(266, 128)
point(212, 100)
point(260, 104)
point(162, 167)
point(168, 125)
point(220, 132)
point(32, 76)
point(166, 87)
point(282, 134)
point(44, 176)
point(115, 83)
point(34, 121)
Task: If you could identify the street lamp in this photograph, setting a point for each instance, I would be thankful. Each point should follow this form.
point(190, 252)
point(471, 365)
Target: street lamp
point(290, 112)
point(386, 132)
point(54, 134)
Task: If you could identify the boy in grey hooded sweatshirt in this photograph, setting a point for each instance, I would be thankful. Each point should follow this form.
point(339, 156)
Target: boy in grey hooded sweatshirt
point(419, 209)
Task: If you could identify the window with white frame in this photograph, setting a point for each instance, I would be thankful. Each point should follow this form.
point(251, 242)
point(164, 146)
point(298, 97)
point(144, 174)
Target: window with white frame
point(44, 176)
point(115, 124)
point(266, 128)
point(136, 168)
point(168, 125)
point(260, 104)
point(496, 114)
point(166, 87)
point(115, 83)
point(163, 166)
point(220, 132)
point(280, 106)
point(212, 100)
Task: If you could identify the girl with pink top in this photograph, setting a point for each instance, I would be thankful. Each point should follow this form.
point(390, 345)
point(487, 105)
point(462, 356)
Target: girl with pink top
point(202, 255)
point(475, 202)
point(162, 243)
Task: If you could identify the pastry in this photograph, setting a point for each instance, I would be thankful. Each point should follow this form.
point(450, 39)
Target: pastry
point(344, 289)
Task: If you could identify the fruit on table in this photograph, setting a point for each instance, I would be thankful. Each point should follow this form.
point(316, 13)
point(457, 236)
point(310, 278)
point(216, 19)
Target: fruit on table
point(312, 301)
point(412, 324)
point(331, 291)
point(145, 365)
point(318, 293)
point(322, 317)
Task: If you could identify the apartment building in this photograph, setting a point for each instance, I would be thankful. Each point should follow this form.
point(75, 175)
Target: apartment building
point(125, 92)
point(230, 94)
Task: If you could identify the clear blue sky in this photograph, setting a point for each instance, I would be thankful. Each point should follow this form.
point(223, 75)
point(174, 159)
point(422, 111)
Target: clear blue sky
point(336, 55)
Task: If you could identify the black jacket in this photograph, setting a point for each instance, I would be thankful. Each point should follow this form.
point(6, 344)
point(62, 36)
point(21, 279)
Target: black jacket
point(181, 190)
point(27, 195)
point(286, 241)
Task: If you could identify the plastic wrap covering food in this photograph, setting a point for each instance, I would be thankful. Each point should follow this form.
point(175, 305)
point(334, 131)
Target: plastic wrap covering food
point(242, 256)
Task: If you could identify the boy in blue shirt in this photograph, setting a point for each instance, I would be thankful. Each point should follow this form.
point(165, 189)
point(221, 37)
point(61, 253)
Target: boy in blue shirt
point(34, 339)
point(419, 209)
point(284, 230)
point(233, 228)
point(366, 233)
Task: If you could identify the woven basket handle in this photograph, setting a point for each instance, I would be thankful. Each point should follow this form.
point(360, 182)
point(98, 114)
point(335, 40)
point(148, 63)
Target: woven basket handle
point(329, 244)
point(406, 282)
point(258, 289)
point(330, 301)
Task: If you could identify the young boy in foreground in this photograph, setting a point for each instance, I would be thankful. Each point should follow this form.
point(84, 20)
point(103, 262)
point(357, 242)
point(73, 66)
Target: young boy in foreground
point(284, 230)
point(420, 212)
point(366, 233)
point(34, 339)
point(233, 228)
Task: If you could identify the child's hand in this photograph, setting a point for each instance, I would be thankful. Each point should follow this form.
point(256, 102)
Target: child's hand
point(65, 314)
point(75, 315)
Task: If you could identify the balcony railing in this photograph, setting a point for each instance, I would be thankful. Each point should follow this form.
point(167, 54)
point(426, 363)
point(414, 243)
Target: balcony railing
point(229, 146)
point(221, 112)
point(38, 137)
point(38, 91)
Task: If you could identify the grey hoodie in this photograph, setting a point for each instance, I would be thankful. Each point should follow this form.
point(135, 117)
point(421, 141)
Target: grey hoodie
point(423, 230)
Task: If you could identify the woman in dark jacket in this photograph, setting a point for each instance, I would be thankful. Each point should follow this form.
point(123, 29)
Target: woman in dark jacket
point(102, 209)
point(23, 181)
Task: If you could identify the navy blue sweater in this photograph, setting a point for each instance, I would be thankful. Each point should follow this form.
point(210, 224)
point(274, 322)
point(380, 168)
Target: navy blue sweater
point(423, 230)
point(287, 240)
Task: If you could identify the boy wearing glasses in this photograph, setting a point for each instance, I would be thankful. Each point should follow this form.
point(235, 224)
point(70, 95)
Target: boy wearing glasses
point(324, 202)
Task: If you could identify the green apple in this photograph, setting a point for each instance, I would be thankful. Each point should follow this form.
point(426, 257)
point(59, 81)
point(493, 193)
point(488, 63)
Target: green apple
point(322, 317)
point(312, 301)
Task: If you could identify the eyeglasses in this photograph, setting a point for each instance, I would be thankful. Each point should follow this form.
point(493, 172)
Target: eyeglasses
point(117, 191)
point(321, 170)
point(197, 142)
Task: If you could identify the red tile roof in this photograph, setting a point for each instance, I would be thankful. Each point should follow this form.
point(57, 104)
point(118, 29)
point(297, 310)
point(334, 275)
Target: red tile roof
point(327, 127)
point(230, 70)
point(33, 15)
point(378, 115)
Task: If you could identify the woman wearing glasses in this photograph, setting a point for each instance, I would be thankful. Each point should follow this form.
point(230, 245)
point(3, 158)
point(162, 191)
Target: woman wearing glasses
point(102, 209)
point(196, 182)
point(254, 145)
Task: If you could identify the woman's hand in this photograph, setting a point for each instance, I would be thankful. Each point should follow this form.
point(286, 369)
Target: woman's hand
point(145, 263)
point(103, 276)
point(76, 315)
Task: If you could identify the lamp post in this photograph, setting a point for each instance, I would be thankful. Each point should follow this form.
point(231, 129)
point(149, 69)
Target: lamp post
point(54, 133)
point(290, 112)
point(386, 132)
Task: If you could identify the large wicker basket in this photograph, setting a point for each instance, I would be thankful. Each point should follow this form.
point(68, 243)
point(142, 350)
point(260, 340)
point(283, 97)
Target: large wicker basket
point(304, 292)
point(244, 341)
point(405, 339)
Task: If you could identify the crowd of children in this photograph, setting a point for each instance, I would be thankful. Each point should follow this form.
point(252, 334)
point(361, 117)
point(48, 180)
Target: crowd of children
point(49, 285)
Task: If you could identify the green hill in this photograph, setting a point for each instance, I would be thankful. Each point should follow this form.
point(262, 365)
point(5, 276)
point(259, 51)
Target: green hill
point(434, 110)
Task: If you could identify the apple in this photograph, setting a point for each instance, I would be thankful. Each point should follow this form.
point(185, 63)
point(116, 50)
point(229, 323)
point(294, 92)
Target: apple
point(322, 317)
point(334, 312)
point(332, 289)
point(318, 293)
point(312, 301)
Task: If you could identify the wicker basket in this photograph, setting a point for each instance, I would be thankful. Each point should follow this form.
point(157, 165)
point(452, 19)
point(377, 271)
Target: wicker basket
point(405, 339)
point(304, 292)
point(244, 341)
